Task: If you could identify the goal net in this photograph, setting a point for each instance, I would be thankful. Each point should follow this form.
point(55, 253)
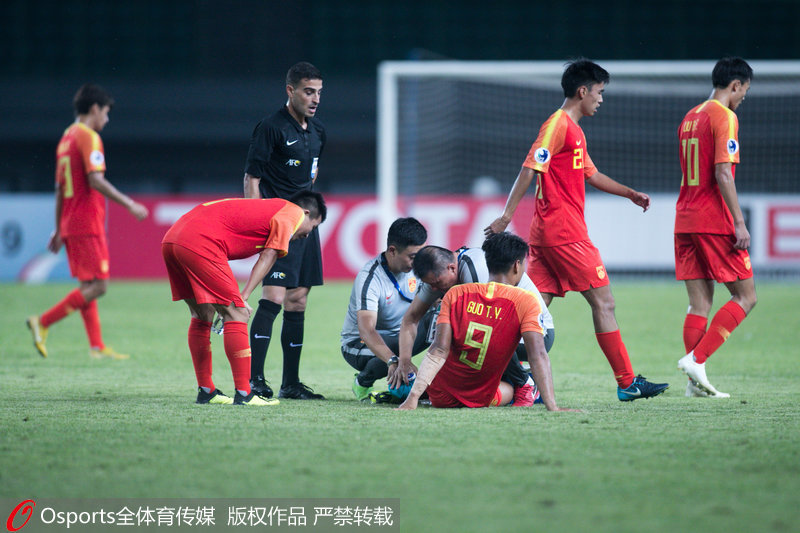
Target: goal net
point(464, 128)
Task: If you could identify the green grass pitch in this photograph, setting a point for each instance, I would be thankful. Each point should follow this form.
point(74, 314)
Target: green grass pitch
point(81, 428)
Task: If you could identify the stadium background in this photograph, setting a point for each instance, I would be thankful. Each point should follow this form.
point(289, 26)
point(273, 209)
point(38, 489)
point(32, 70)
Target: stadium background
point(191, 78)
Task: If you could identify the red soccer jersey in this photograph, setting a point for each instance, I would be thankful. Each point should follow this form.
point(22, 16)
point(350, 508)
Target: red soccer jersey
point(83, 209)
point(708, 134)
point(235, 228)
point(560, 155)
point(488, 320)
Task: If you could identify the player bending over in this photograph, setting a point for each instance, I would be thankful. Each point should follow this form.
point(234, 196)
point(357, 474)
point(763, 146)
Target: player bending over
point(197, 249)
point(477, 333)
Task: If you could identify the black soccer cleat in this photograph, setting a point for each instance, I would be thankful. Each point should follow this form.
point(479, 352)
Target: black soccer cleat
point(640, 388)
point(260, 386)
point(299, 391)
point(214, 397)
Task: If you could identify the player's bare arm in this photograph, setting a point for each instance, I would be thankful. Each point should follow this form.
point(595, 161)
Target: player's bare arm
point(601, 182)
point(521, 184)
point(55, 242)
point(98, 182)
point(367, 329)
point(263, 265)
point(540, 368)
point(724, 175)
point(408, 332)
point(430, 366)
point(251, 184)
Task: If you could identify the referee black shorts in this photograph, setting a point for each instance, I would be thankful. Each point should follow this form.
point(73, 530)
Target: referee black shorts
point(301, 267)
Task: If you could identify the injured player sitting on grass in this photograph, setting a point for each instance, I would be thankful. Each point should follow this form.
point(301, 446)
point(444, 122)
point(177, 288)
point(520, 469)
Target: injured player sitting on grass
point(477, 332)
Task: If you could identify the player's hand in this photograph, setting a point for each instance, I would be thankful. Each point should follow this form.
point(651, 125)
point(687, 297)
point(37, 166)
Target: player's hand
point(400, 375)
point(248, 308)
point(497, 226)
point(138, 210)
point(742, 236)
point(55, 242)
point(566, 410)
point(408, 405)
point(641, 199)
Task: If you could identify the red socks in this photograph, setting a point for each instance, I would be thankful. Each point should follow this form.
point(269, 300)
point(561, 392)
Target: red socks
point(72, 301)
point(200, 348)
point(694, 327)
point(724, 322)
point(617, 355)
point(91, 321)
point(237, 348)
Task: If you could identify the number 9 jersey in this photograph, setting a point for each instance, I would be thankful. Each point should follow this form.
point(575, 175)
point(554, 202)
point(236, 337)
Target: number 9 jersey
point(488, 320)
point(79, 153)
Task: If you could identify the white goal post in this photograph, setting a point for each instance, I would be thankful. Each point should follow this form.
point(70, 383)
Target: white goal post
point(507, 101)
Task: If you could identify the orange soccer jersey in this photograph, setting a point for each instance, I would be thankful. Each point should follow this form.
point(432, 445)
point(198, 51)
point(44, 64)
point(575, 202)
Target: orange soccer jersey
point(83, 209)
point(708, 135)
point(236, 228)
point(560, 155)
point(488, 320)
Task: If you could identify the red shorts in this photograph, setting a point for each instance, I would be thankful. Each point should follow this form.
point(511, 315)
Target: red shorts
point(87, 256)
point(192, 276)
point(576, 266)
point(441, 398)
point(710, 256)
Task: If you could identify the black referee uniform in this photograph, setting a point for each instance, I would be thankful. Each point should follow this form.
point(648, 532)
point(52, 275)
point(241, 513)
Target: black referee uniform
point(284, 156)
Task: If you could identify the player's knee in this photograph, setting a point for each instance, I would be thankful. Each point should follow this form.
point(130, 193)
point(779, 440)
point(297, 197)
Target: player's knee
point(94, 289)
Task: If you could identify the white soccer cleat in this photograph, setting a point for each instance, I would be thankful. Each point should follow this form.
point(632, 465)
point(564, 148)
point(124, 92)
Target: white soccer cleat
point(697, 376)
point(693, 391)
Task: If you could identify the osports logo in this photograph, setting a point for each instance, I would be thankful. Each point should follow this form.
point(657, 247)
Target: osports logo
point(542, 155)
point(25, 508)
point(733, 146)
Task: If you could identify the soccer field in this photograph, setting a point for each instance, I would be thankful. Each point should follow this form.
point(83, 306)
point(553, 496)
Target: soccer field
point(81, 428)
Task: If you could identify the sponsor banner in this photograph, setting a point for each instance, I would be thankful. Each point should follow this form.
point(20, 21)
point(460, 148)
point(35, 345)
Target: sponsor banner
point(628, 239)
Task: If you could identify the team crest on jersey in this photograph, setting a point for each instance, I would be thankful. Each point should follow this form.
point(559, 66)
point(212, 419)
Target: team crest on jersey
point(412, 284)
point(97, 157)
point(542, 155)
point(601, 272)
point(733, 146)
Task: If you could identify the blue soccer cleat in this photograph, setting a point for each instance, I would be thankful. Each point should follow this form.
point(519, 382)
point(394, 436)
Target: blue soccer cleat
point(640, 388)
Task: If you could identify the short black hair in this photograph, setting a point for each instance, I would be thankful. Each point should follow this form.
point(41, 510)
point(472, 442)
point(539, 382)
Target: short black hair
point(580, 72)
point(729, 69)
point(431, 259)
point(302, 71)
point(405, 232)
point(88, 95)
point(313, 201)
point(502, 250)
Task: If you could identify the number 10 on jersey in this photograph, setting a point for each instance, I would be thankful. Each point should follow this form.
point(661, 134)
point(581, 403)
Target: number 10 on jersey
point(691, 161)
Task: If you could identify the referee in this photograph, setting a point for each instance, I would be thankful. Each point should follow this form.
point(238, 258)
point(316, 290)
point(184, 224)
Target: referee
point(283, 158)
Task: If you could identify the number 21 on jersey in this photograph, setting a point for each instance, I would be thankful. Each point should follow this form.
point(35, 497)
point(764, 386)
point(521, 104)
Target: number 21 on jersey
point(482, 346)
